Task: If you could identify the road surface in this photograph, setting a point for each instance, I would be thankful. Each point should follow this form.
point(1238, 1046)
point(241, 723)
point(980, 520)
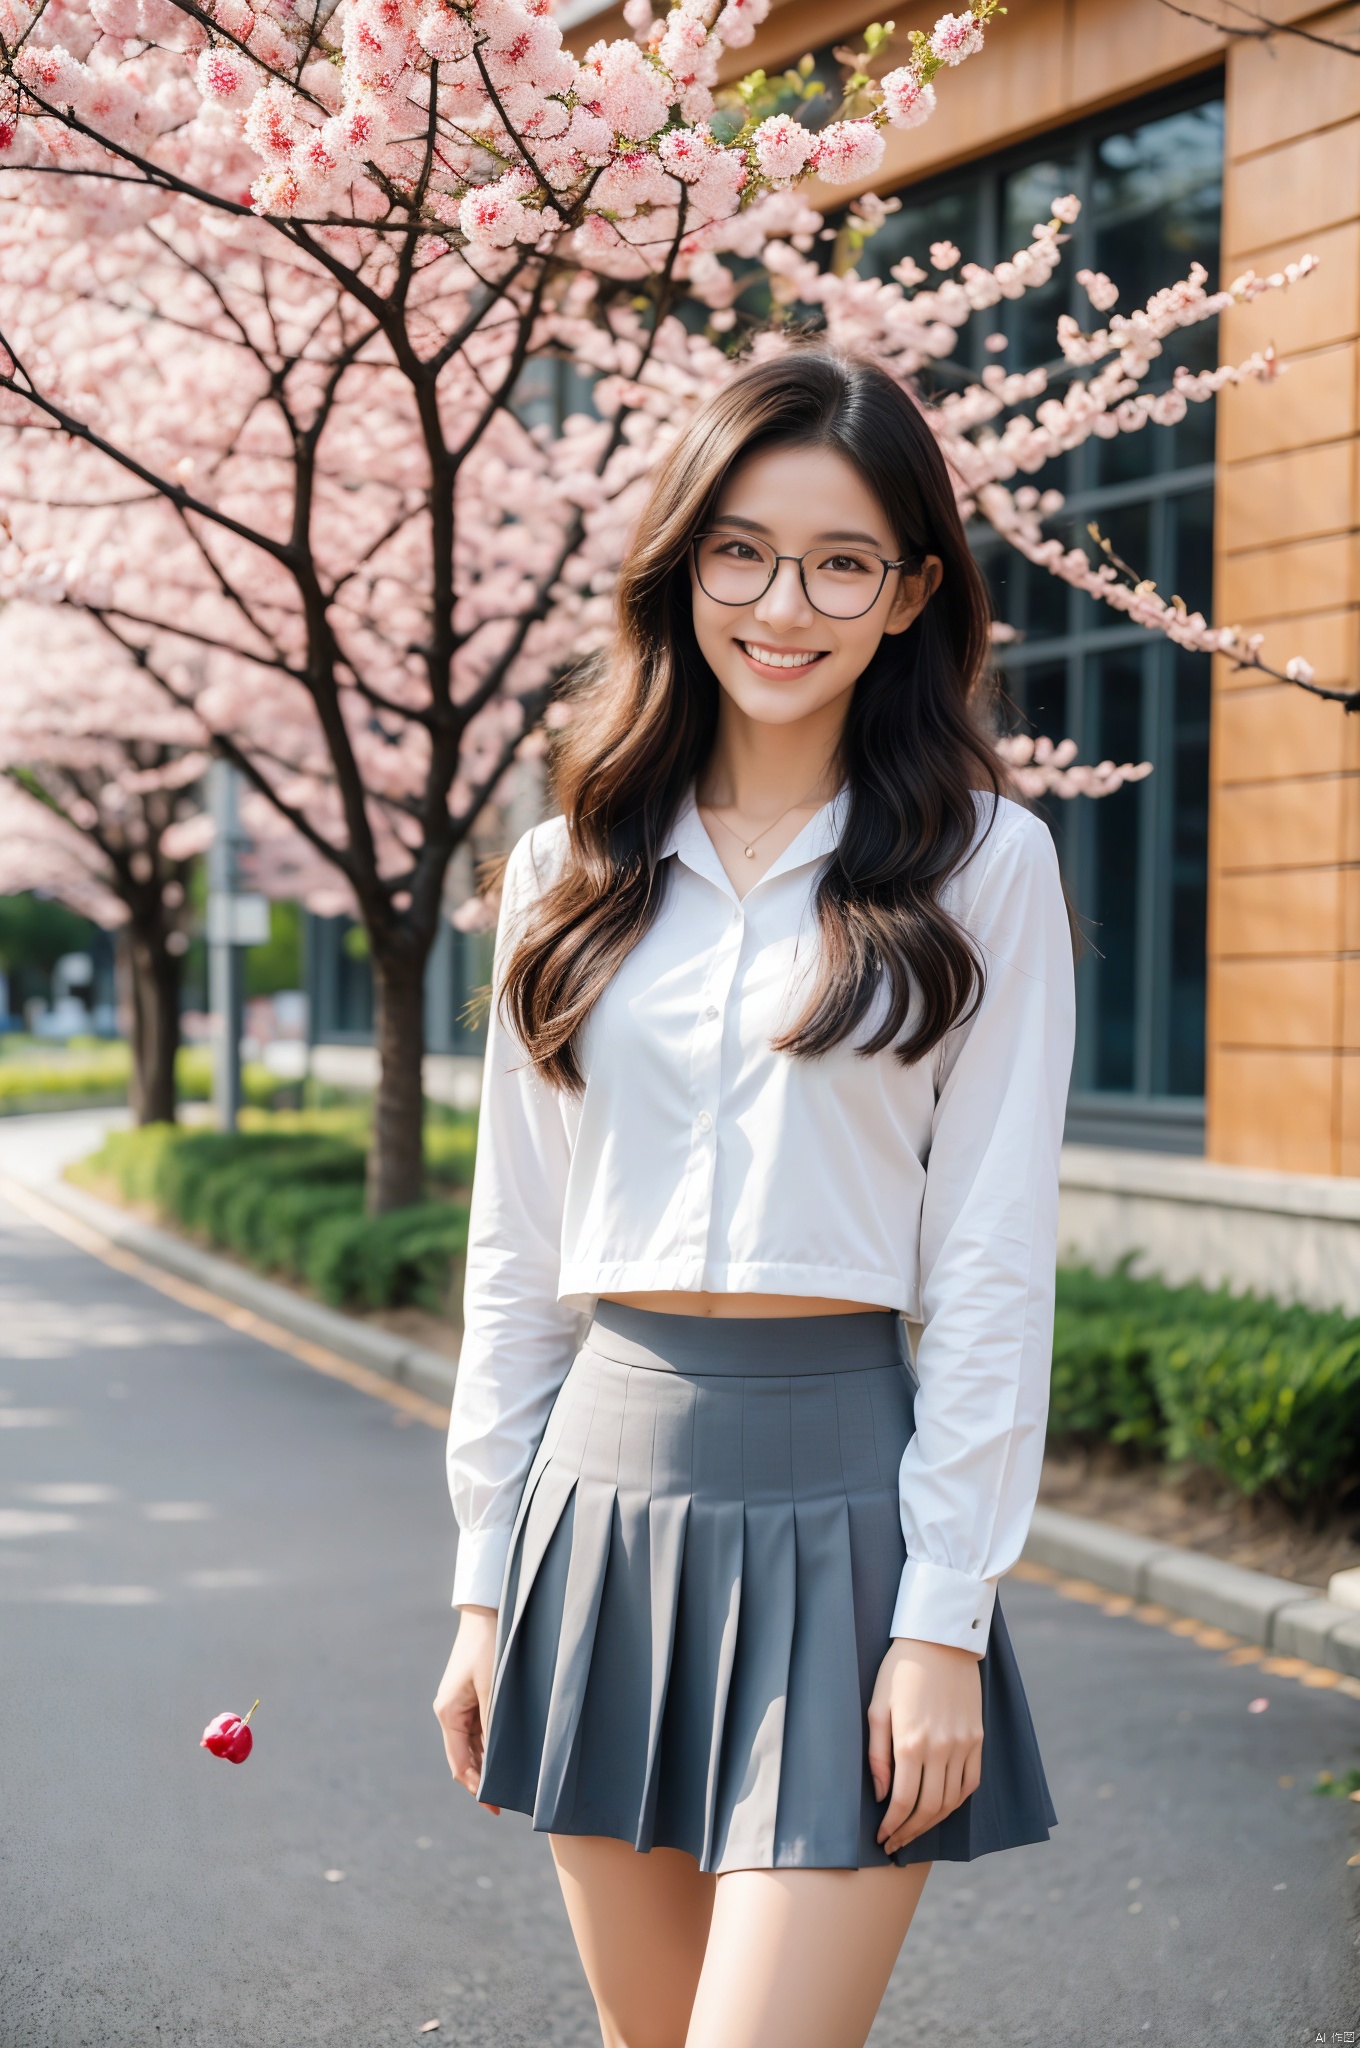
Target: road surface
point(189, 1519)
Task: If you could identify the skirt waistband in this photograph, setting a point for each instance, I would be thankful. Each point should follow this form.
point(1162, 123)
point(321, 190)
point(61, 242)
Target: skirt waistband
point(775, 1347)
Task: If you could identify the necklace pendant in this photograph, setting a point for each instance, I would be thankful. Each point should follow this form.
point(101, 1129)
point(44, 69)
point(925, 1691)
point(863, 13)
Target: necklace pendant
point(750, 852)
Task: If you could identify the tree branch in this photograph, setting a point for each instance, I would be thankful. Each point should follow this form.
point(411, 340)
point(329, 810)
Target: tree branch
point(1264, 29)
point(174, 494)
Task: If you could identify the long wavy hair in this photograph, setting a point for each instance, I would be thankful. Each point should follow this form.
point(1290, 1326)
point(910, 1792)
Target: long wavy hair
point(912, 753)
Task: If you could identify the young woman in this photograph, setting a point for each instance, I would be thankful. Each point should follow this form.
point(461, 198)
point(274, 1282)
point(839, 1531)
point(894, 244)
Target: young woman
point(779, 1057)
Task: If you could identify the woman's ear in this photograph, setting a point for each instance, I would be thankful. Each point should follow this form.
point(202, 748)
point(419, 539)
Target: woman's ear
point(914, 594)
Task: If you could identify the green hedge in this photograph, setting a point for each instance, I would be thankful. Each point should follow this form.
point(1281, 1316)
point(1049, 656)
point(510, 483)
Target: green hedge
point(93, 1073)
point(291, 1201)
point(1266, 1395)
point(44, 1077)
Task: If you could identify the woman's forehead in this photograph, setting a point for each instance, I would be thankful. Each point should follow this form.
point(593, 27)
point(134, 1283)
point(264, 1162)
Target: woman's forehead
point(814, 492)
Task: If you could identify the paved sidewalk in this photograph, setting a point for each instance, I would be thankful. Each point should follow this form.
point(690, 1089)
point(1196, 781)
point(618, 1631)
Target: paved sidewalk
point(37, 1149)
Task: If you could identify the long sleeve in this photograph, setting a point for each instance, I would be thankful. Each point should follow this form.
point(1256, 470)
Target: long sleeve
point(518, 1339)
point(989, 1226)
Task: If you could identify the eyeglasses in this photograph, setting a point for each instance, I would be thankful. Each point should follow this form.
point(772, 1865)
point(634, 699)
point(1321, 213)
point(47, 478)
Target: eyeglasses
point(840, 582)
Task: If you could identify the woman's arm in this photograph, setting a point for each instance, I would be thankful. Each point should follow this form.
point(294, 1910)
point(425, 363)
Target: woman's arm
point(518, 1340)
point(989, 1227)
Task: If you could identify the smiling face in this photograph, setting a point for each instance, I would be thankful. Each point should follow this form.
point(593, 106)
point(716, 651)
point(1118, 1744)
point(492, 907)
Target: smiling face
point(777, 657)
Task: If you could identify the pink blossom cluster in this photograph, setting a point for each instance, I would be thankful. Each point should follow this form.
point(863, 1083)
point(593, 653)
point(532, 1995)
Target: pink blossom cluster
point(116, 763)
point(954, 37)
point(454, 124)
point(1038, 767)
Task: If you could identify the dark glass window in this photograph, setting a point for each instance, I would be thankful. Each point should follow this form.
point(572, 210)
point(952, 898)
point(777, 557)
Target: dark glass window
point(1149, 177)
point(340, 986)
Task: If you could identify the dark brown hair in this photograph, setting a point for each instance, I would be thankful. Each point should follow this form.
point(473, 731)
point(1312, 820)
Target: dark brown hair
point(912, 753)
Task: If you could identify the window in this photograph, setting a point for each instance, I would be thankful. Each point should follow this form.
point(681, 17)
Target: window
point(1150, 180)
point(340, 985)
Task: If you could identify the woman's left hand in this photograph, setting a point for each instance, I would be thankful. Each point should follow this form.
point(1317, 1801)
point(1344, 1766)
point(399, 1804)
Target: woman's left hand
point(925, 1736)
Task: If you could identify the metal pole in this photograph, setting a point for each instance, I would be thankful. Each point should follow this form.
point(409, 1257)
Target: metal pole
point(226, 977)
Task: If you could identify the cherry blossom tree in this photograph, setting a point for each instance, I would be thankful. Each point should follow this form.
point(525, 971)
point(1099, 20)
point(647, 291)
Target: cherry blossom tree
point(279, 274)
point(98, 807)
point(264, 340)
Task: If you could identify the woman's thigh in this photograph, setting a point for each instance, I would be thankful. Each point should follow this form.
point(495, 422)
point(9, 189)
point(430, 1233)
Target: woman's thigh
point(801, 1958)
point(641, 1925)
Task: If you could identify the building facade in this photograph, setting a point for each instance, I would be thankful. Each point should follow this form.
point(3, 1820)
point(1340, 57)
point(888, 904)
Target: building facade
point(1219, 993)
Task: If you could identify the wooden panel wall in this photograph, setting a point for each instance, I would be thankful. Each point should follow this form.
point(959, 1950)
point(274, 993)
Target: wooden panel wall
point(1284, 933)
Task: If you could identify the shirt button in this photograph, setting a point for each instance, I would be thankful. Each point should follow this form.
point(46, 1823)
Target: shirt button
point(705, 1120)
point(710, 1015)
point(977, 1624)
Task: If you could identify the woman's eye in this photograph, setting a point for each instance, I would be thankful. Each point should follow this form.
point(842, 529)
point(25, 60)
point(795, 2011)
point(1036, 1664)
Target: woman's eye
point(739, 551)
point(846, 565)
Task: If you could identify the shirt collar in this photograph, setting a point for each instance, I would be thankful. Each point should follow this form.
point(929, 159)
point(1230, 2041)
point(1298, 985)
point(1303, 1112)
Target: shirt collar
point(820, 836)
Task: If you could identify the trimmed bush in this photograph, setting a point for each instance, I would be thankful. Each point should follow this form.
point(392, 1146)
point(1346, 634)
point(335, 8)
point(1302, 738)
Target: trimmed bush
point(410, 1255)
point(1266, 1395)
point(292, 1201)
point(450, 1148)
point(35, 1077)
point(95, 1073)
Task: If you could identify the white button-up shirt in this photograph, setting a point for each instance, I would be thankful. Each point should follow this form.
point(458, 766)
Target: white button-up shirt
point(700, 1159)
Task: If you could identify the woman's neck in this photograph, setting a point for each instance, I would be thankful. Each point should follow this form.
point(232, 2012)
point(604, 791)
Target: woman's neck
point(759, 770)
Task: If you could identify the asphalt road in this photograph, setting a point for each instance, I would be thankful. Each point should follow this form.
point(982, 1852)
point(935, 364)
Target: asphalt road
point(188, 1519)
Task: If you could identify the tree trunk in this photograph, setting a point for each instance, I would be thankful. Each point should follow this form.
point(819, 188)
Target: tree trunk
point(396, 1157)
point(155, 1026)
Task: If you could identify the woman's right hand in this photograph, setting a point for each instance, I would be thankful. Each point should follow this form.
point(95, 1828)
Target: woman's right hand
point(464, 1696)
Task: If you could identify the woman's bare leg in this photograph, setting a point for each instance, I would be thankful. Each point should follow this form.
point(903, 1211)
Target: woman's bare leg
point(801, 1958)
point(641, 1925)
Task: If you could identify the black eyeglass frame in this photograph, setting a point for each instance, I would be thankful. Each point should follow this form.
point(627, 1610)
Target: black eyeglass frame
point(735, 603)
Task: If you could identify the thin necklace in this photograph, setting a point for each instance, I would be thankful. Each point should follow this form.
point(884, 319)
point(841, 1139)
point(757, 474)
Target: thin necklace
point(748, 846)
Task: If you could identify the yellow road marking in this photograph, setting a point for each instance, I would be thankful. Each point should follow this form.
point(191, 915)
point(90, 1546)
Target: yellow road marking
point(190, 1295)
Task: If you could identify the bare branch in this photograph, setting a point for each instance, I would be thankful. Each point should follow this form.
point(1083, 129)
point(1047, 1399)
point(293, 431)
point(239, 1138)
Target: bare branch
point(1262, 30)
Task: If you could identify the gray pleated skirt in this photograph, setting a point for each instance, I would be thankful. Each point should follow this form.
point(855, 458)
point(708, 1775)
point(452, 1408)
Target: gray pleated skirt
point(699, 1594)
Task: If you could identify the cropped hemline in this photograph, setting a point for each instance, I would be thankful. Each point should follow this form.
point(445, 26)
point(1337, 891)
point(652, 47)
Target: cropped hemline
point(580, 1286)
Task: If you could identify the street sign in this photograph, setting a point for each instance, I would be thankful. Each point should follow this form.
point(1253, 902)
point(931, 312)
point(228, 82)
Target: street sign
point(238, 920)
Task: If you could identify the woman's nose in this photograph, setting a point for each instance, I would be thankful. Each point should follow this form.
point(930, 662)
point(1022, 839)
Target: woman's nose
point(785, 602)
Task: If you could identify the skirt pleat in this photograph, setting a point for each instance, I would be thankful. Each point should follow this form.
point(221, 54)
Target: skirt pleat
point(698, 1598)
point(825, 1733)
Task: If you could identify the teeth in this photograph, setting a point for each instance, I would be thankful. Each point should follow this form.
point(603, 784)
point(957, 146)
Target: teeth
point(772, 658)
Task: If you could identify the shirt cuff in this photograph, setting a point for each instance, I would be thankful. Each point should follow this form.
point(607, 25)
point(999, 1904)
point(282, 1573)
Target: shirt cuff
point(936, 1604)
point(479, 1569)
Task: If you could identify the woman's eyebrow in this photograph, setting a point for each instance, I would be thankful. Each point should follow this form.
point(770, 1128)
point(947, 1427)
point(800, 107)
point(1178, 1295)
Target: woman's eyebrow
point(754, 526)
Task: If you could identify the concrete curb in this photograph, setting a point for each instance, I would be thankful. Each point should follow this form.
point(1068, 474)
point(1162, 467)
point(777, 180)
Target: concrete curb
point(1280, 1615)
point(396, 1358)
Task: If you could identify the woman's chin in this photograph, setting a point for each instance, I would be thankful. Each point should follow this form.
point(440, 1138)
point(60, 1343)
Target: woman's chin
point(778, 702)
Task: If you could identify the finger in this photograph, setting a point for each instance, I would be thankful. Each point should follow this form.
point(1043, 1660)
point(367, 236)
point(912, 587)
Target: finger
point(483, 1712)
point(972, 1776)
point(928, 1810)
point(905, 1791)
point(462, 1733)
point(880, 1752)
